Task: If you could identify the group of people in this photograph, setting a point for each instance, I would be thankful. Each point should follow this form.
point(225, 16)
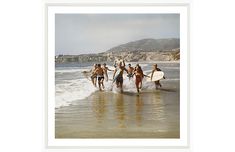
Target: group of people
point(137, 71)
point(100, 73)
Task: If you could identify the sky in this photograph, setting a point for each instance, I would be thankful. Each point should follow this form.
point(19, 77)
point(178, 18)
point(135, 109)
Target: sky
point(93, 33)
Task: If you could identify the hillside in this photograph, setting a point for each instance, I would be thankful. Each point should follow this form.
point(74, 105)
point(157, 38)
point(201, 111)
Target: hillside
point(141, 50)
point(148, 45)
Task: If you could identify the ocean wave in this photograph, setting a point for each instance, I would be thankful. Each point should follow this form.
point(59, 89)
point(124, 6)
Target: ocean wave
point(71, 70)
point(82, 88)
point(69, 90)
point(175, 68)
point(73, 90)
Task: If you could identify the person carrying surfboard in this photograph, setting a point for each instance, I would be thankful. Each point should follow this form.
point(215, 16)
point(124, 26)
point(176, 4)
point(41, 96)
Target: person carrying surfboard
point(100, 76)
point(138, 72)
point(157, 83)
point(106, 69)
point(118, 75)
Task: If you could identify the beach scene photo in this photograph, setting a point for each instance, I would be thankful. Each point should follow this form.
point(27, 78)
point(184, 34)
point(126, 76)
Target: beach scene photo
point(117, 76)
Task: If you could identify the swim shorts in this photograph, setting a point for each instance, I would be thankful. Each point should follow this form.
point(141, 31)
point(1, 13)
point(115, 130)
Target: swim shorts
point(100, 77)
point(130, 75)
point(119, 79)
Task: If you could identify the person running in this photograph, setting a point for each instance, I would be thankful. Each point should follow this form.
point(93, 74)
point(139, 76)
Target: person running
point(138, 77)
point(106, 69)
point(93, 75)
point(100, 76)
point(157, 83)
point(118, 75)
point(130, 71)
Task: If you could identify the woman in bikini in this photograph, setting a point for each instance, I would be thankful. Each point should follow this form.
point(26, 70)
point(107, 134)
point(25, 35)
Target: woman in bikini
point(138, 77)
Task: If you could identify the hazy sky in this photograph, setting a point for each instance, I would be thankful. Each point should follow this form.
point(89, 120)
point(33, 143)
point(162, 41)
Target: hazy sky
point(93, 33)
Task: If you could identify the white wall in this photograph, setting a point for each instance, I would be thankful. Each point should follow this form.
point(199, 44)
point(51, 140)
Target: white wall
point(211, 64)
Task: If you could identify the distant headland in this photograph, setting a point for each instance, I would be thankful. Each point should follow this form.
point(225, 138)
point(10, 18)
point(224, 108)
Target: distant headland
point(136, 51)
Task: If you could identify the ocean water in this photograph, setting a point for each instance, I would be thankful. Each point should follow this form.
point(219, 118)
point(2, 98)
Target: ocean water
point(72, 85)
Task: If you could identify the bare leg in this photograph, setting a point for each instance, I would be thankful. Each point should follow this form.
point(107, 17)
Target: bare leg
point(92, 80)
point(159, 83)
point(117, 84)
point(102, 83)
point(137, 86)
point(156, 85)
point(106, 77)
point(140, 84)
point(121, 86)
point(99, 84)
point(95, 80)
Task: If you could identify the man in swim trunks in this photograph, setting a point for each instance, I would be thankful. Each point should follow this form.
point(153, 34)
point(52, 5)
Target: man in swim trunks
point(157, 83)
point(130, 71)
point(138, 77)
point(119, 77)
point(100, 75)
point(106, 69)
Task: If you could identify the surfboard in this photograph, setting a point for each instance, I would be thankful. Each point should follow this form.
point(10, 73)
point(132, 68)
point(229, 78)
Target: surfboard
point(157, 75)
point(116, 75)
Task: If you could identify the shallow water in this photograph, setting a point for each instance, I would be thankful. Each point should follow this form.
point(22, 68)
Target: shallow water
point(71, 84)
point(84, 112)
point(151, 114)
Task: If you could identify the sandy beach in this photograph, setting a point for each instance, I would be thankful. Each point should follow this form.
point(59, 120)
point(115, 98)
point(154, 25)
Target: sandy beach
point(150, 114)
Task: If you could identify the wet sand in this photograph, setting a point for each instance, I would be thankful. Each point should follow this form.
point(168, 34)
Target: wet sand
point(150, 114)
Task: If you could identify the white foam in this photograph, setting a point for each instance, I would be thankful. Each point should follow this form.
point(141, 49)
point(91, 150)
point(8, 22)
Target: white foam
point(129, 86)
point(172, 79)
point(73, 90)
point(71, 70)
point(175, 68)
point(68, 91)
point(80, 89)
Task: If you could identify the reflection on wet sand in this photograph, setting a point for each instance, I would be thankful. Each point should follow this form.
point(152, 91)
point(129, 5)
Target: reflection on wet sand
point(158, 107)
point(99, 107)
point(115, 115)
point(139, 109)
point(120, 111)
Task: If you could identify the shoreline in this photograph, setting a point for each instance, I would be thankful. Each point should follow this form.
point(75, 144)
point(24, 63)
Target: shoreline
point(151, 114)
point(176, 61)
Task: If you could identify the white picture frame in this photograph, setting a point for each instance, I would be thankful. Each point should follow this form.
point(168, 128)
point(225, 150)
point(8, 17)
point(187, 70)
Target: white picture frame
point(51, 10)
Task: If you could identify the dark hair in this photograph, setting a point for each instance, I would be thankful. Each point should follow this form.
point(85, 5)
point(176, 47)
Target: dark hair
point(104, 64)
point(129, 64)
point(99, 65)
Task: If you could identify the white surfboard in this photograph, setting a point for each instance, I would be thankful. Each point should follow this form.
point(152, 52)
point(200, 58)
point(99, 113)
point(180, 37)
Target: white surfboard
point(157, 75)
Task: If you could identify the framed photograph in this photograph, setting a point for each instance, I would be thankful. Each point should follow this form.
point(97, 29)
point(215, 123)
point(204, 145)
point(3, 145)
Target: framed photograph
point(117, 75)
